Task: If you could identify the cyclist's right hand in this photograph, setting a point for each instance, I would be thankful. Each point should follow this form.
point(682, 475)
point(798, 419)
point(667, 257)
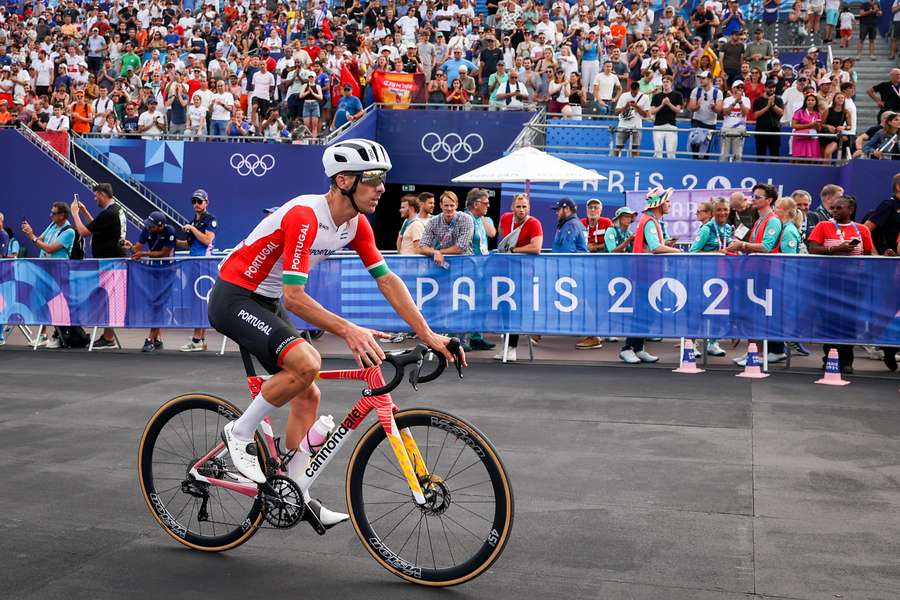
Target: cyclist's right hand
point(363, 345)
point(439, 343)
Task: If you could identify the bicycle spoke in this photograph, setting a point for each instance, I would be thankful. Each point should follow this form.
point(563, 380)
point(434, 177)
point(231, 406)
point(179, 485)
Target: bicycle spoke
point(403, 479)
point(385, 489)
point(474, 513)
point(447, 539)
point(438, 459)
point(457, 490)
point(430, 545)
point(393, 464)
point(450, 470)
point(477, 462)
point(412, 531)
point(373, 521)
point(398, 524)
point(464, 528)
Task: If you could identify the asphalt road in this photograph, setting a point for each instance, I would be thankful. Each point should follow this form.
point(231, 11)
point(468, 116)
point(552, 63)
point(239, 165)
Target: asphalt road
point(630, 484)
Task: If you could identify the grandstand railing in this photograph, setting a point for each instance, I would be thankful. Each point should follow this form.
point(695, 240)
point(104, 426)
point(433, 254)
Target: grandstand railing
point(84, 142)
point(80, 175)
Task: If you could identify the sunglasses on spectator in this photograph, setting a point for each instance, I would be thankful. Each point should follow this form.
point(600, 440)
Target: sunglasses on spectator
point(197, 201)
point(373, 178)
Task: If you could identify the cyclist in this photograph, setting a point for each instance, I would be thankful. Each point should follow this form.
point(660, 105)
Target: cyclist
point(275, 261)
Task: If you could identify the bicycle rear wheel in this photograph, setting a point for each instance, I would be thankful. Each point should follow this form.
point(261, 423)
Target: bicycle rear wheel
point(196, 514)
point(464, 526)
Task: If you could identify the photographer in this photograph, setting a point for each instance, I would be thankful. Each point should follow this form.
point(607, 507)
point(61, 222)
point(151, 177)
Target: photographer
point(310, 97)
point(631, 107)
point(58, 239)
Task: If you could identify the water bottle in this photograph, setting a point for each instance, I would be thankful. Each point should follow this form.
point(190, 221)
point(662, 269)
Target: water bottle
point(314, 439)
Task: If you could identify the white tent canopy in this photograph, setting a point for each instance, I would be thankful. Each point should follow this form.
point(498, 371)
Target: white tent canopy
point(528, 165)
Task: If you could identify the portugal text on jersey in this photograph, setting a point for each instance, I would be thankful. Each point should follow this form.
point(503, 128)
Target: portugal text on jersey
point(303, 233)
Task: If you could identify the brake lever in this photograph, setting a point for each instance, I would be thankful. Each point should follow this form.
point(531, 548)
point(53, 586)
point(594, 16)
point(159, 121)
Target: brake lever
point(455, 349)
point(414, 374)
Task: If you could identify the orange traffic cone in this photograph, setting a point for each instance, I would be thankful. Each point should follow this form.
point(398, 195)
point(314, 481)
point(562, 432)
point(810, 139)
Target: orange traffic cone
point(832, 370)
point(751, 368)
point(688, 360)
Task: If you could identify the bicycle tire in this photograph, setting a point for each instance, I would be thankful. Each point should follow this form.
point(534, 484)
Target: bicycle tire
point(492, 546)
point(160, 510)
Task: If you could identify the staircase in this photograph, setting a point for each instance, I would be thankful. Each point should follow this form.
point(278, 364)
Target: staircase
point(133, 218)
point(139, 197)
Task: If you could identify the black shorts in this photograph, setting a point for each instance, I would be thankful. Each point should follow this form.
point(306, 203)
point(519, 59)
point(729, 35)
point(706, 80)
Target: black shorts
point(868, 31)
point(258, 324)
point(262, 106)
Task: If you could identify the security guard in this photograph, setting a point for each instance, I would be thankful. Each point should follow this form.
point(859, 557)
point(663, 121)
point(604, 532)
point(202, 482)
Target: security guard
point(200, 235)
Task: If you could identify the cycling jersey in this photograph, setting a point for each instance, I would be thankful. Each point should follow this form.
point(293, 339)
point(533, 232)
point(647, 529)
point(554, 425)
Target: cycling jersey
point(303, 233)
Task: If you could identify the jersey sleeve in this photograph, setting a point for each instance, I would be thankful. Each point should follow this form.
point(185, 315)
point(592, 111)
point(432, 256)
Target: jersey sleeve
point(300, 227)
point(867, 244)
point(790, 241)
point(144, 237)
point(651, 236)
point(168, 238)
point(609, 239)
point(364, 245)
point(702, 237)
point(770, 237)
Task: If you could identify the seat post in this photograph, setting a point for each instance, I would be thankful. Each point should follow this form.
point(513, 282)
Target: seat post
point(248, 362)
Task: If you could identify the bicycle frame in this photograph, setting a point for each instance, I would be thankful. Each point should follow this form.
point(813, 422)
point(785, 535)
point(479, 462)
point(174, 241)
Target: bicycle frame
point(404, 446)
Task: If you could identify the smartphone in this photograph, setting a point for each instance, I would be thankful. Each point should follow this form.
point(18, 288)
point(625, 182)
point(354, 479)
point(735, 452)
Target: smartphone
point(855, 242)
point(77, 199)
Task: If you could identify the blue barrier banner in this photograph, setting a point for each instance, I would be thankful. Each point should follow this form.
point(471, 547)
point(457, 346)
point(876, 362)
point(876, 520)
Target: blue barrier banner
point(434, 146)
point(803, 298)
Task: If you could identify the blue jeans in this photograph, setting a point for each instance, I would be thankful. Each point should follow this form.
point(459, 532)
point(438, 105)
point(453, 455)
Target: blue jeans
point(217, 127)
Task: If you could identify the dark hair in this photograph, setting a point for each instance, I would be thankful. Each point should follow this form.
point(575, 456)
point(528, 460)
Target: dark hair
point(412, 200)
point(895, 181)
point(62, 208)
point(425, 197)
point(104, 188)
point(769, 190)
point(851, 200)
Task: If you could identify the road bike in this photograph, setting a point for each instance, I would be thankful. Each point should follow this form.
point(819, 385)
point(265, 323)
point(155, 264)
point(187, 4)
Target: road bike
point(426, 491)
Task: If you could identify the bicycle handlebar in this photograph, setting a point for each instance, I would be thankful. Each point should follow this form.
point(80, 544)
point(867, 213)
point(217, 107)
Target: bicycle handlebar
point(416, 356)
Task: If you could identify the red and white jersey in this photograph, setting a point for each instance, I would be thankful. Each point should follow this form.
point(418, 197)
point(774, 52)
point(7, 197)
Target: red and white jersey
point(303, 233)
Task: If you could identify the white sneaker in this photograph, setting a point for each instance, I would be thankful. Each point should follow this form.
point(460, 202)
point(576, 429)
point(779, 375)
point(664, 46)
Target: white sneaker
point(52, 343)
point(873, 353)
point(611, 339)
point(510, 355)
point(776, 358)
point(715, 349)
point(193, 346)
point(740, 361)
point(243, 455)
point(629, 356)
point(646, 357)
point(42, 341)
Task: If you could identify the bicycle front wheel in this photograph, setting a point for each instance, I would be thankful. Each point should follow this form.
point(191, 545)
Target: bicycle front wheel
point(196, 514)
point(464, 525)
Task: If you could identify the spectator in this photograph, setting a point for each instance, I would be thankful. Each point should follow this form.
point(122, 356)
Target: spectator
point(177, 102)
point(617, 238)
point(131, 122)
point(869, 15)
point(311, 98)
point(759, 51)
point(261, 95)
point(606, 89)
point(6, 117)
point(107, 233)
point(413, 226)
point(803, 200)
point(705, 104)
point(631, 107)
point(59, 121)
point(768, 110)
point(349, 108)
point(477, 205)
point(570, 233)
point(649, 238)
point(883, 145)
point(151, 123)
point(734, 122)
point(766, 230)
point(58, 239)
point(884, 222)
point(806, 124)
point(791, 219)
point(842, 237)
point(447, 233)
point(714, 236)
point(238, 125)
point(595, 225)
point(221, 105)
point(4, 244)
point(426, 205)
point(201, 232)
point(157, 240)
point(520, 233)
point(665, 107)
point(731, 56)
point(514, 94)
point(836, 122)
point(196, 119)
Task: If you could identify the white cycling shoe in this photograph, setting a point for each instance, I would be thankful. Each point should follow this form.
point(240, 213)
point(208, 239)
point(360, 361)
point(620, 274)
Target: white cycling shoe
point(328, 518)
point(243, 455)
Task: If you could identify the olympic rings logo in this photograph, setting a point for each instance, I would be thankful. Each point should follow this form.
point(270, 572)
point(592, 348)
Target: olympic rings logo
point(460, 149)
point(257, 165)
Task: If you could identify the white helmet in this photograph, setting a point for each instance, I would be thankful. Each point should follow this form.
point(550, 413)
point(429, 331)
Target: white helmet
point(353, 156)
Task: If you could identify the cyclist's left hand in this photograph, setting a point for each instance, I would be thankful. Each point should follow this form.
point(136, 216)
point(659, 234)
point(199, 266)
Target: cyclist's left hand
point(439, 343)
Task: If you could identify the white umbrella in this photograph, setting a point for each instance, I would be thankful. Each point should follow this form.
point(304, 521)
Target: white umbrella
point(528, 164)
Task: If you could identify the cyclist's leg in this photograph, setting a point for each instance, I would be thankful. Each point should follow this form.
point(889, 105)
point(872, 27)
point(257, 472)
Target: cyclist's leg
point(304, 408)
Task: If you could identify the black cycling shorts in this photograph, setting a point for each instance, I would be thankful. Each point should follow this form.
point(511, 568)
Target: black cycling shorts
point(258, 324)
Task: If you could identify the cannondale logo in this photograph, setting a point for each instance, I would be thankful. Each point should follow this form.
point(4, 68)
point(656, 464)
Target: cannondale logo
point(252, 164)
point(674, 299)
point(460, 149)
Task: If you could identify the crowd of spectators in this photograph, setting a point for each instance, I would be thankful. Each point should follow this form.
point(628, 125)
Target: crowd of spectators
point(288, 70)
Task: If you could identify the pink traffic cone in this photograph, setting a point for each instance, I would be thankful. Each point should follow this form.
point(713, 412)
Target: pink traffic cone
point(751, 369)
point(832, 370)
point(688, 360)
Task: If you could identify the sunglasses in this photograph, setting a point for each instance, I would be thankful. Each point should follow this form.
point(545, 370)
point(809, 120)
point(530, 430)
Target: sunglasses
point(197, 201)
point(373, 178)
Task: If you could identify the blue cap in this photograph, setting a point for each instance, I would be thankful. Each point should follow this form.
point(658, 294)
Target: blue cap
point(565, 203)
point(155, 218)
point(200, 194)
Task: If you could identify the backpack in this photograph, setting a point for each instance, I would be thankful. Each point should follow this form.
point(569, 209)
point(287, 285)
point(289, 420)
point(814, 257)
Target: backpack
point(77, 252)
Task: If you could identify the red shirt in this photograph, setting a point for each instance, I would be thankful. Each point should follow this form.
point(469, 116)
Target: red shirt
point(829, 234)
point(193, 86)
point(530, 228)
point(313, 52)
point(595, 233)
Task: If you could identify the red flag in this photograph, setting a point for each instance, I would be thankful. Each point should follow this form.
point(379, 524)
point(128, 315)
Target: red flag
point(326, 29)
point(348, 77)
